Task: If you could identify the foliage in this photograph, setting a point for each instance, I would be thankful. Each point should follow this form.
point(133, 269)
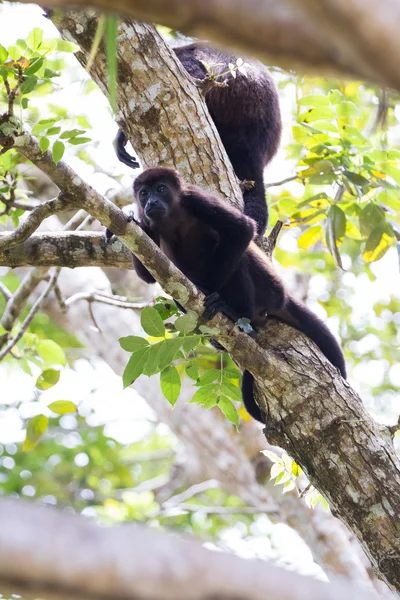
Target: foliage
point(172, 354)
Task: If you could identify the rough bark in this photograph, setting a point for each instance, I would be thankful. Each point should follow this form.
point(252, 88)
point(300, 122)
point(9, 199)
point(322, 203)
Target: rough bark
point(64, 249)
point(152, 84)
point(46, 553)
point(326, 37)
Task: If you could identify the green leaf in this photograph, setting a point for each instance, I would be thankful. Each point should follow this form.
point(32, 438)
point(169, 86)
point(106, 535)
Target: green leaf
point(192, 370)
point(47, 379)
point(135, 366)
point(14, 52)
point(347, 109)
point(44, 144)
point(170, 348)
point(37, 426)
point(154, 358)
point(317, 114)
point(209, 376)
point(393, 172)
point(170, 384)
point(62, 407)
point(231, 391)
point(71, 133)
point(231, 374)
point(131, 343)
point(3, 54)
point(314, 100)
point(204, 394)
point(186, 323)
point(356, 178)
point(152, 323)
point(51, 353)
point(336, 228)
point(335, 97)
point(309, 237)
point(296, 469)
point(209, 330)
point(28, 84)
point(229, 410)
point(79, 140)
point(34, 38)
point(64, 46)
point(378, 243)
point(53, 130)
point(271, 455)
point(58, 151)
point(35, 65)
point(288, 487)
point(190, 342)
point(371, 216)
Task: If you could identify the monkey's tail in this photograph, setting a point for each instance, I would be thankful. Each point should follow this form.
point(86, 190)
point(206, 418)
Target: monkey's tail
point(299, 316)
point(248, 397)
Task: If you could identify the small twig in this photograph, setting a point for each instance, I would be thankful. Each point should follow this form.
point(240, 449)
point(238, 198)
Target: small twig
point(193, 490)
point(393, 429)
point(222, 510)
point(59, 296)
point(104, 298)
point(270, 243)
point(306, 489)
point(41, 212)
point(5, 291)
point(34, 310)
point(277, 183)
point(96, 326)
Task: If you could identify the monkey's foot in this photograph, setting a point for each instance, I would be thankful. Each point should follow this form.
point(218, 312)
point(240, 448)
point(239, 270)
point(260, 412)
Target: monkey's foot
point(246, 185)
point(214, 304)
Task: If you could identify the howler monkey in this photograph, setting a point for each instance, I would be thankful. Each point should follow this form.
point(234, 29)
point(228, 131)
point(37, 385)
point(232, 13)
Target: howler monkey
point(246, 114)
point(210, 241)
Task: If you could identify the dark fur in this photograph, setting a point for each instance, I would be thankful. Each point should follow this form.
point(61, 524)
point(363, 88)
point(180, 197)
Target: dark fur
point(247, 117)
point(211, 243)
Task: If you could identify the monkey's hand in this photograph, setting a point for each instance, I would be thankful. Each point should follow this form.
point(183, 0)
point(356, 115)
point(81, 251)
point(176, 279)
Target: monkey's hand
point(122, 155)
point(214, 304)
point(108, 235)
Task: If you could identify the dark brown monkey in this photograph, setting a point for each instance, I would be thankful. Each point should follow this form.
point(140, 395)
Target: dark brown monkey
point(210, 241)
point(246, 114)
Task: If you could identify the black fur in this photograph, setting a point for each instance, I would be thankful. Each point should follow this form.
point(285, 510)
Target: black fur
point(210, 241)
point(246, 114)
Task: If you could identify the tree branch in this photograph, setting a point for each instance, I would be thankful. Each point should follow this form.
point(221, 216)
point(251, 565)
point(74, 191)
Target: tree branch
point(50, 554)
point(65, 249)
point(327, 37)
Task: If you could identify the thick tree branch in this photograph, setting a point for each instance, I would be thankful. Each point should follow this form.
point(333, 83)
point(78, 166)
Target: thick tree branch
point(147, 103)
point(325, 37)
point(46, 553)
point(65, 249)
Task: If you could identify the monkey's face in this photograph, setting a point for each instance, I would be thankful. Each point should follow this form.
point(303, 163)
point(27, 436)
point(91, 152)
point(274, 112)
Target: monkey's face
point(155, 200)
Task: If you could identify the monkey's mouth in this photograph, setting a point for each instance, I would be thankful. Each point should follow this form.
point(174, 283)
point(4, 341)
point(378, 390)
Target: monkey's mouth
point(156, 212)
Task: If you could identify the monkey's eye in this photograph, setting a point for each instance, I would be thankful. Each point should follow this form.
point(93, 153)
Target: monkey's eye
point(161, 189)
point(144, 193)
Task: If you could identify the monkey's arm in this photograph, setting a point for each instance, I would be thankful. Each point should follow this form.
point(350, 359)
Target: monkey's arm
point(141, 271)
point(235, 232)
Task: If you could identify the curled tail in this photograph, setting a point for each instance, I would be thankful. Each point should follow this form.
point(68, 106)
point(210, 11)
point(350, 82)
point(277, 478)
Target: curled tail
point(301, 318)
